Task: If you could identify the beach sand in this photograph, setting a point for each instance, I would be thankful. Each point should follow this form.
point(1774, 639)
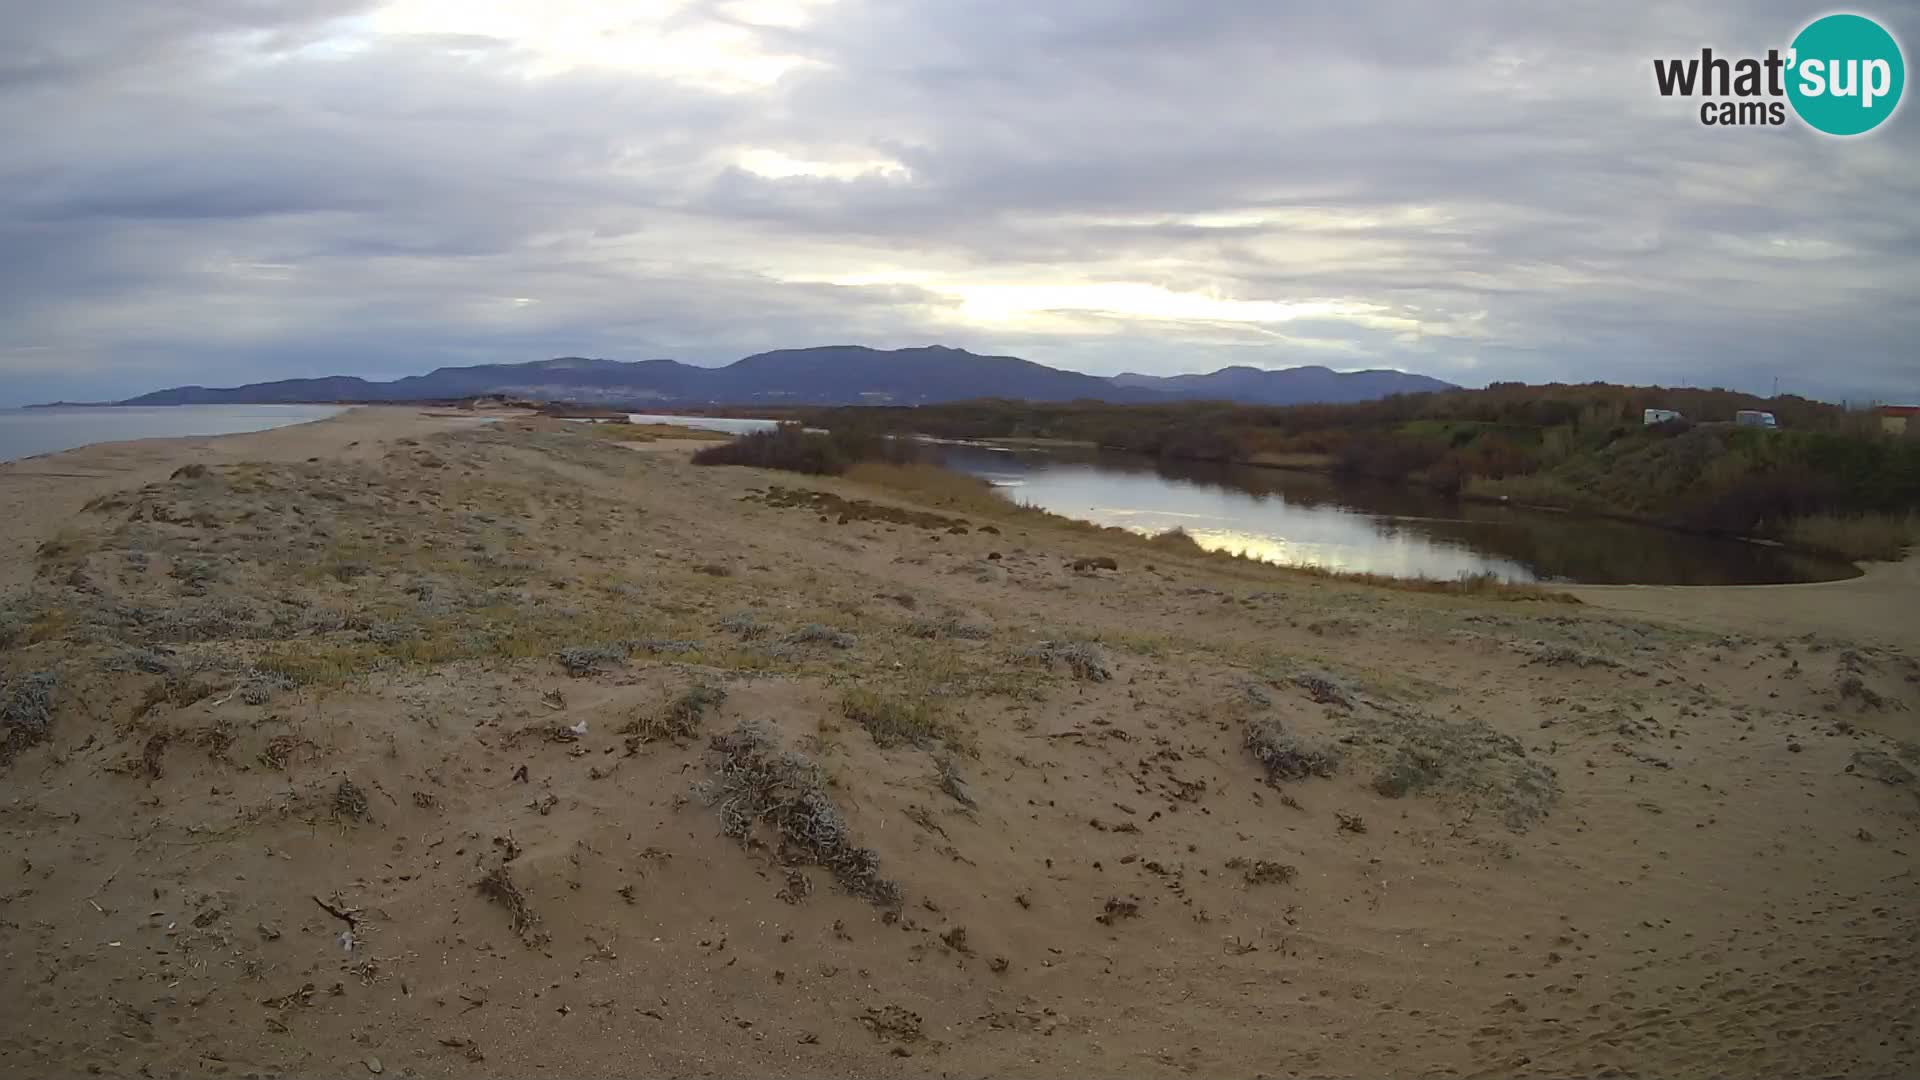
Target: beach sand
point(386, 745)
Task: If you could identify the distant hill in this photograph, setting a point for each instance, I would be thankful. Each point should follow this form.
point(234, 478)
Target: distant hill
point(829, 375)
point(1286, 386)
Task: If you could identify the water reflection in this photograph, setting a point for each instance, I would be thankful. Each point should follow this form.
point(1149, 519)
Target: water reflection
point(1311, 519)
point(730, 425)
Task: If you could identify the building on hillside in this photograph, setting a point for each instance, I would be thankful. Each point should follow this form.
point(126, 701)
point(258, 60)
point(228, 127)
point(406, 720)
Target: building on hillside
point(1899, 419)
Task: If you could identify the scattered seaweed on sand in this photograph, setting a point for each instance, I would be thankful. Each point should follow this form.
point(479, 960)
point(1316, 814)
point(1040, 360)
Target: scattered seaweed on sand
point(297, 998)
point(1117, 909)
point(350, 802)
point(498, 886)
point(893, 1022)
point(755, 783)
point(1263, 871)
point(278, 753)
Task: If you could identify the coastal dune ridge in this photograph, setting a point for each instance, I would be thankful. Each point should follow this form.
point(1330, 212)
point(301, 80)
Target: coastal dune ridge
point(416, 742)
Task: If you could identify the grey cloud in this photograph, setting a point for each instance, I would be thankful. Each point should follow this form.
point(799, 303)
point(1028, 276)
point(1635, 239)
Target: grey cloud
point(196, 186)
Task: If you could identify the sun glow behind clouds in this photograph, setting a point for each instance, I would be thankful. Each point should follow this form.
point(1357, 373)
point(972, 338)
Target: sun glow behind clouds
point(673, 39)
point(775, 165)
point(1005, 303)
point(1046, 306)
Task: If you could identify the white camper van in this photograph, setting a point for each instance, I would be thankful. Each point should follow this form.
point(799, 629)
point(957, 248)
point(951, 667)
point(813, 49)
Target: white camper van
point(1660, 416)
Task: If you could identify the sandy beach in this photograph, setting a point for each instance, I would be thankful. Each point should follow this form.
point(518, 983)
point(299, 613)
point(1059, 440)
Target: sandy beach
point(398, 744)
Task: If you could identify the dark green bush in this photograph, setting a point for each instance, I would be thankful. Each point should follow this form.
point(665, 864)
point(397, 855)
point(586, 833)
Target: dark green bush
point(795, 449)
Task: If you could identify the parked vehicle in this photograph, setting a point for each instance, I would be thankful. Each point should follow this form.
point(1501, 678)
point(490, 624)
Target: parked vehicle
point(1660, 416)
point(1755, 418)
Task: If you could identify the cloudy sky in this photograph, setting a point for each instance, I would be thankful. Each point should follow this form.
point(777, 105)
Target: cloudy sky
point(222, 191)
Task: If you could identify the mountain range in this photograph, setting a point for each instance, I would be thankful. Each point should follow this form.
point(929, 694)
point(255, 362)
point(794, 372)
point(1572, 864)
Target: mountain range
point(830, 375)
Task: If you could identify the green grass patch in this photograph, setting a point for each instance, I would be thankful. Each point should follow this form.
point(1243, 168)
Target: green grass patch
point(895, 721)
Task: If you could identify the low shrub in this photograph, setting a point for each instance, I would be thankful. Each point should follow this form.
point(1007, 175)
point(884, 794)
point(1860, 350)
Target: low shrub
point(26, 712)
point(1284, 756)
point(1862, 537)
point(795, 449)
point(756, 783)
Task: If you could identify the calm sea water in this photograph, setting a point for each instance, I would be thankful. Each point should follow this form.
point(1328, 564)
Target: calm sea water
point(26, 432)
point(1310, 519)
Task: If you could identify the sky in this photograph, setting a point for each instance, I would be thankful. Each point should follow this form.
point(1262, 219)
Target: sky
point(226, 191)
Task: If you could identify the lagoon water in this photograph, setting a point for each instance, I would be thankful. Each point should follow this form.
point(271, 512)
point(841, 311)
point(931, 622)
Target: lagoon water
point(730, 425)
point(1312, 519)
point(26, 432)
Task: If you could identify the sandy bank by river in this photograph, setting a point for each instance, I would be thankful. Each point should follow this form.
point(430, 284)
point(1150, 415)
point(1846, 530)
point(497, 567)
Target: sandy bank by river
point(1882, 606)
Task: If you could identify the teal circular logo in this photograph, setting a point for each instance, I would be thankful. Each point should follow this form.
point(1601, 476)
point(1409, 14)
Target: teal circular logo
point(1845, 74)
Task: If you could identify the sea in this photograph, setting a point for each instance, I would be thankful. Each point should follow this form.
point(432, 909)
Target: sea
point(30, 432)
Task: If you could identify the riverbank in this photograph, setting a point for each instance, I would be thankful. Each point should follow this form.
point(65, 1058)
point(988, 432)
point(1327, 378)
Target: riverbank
point(1810, 482)
point(393, 744)
point(1882, 606)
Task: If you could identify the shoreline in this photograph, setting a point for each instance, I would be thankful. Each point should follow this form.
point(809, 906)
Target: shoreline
point(1881, 604)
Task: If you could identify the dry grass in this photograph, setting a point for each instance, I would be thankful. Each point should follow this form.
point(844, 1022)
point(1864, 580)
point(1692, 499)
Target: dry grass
point(892, 720)
point(644, 433)
point(936, 486)
point(1483, 586)
point(1860, 537)
point(681, 719)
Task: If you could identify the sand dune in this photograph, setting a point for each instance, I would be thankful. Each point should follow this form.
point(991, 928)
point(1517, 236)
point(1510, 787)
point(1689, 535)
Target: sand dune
point(390, 744)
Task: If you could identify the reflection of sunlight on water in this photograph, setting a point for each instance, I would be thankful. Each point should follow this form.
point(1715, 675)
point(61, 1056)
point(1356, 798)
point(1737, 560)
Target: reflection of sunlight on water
point(1124, 512)
point(1261, 526)
point(1303, 519)
point(1397, 557)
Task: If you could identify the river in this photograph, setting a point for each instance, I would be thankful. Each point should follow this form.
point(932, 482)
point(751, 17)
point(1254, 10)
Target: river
point(1313, 519)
